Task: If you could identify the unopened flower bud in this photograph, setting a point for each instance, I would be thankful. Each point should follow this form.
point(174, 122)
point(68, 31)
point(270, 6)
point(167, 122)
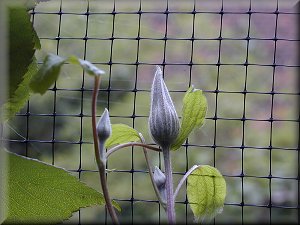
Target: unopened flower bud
point(160, 182)
point(104, 127)
point(159, 177)
point(163, 120)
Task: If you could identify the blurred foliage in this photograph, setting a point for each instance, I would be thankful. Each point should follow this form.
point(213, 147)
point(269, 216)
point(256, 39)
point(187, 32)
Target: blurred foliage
point(71, 102)
point(22, 63)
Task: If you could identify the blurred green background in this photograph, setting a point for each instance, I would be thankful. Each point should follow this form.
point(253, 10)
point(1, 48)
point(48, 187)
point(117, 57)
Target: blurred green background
point(71, 127)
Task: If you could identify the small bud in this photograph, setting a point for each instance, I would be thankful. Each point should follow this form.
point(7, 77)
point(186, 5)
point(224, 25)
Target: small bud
point(160, 182)
point(103, 131)
point(163, 120)
point(104, 127)
point(159, 177)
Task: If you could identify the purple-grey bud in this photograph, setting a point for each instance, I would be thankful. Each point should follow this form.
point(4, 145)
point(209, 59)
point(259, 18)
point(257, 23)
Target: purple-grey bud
point(163, 120)
point(160, 182)
point(159, 177)
point(104, 127)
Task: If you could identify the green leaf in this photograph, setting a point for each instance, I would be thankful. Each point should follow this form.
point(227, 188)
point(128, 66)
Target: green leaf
point(21, 95)
point(206, 191)
point(44, 194)
point(22, 63)
point(49, 71)
point(86, 66)
point(121, 133)
point(193, 115)
point(47, 74)
point(37, 42)
point(21, 46)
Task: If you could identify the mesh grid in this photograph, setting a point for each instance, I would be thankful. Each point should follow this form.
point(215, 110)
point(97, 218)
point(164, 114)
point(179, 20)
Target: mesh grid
point(242, 106)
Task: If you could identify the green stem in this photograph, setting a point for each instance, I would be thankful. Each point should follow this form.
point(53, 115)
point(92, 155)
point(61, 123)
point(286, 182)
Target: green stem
point(107, 198)
point(149, 165)
point(94, 122)
point(119, 147)
point(184, 179)
point(101, 163)
point(169, 186)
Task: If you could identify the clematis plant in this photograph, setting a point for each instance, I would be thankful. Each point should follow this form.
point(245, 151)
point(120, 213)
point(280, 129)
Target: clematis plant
point(206, 187)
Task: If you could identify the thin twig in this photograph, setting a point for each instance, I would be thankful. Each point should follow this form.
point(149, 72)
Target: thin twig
point(119, 147)
point(94, 123)
point(183, 179)
point(101, 163)
point(149, 165)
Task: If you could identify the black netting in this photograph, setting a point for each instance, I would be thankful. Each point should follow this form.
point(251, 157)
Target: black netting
point(242, 54)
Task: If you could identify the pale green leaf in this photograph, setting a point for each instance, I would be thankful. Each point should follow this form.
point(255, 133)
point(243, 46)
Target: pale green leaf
point(39, 193)
point(206, 191)
point(47, 74)
point(121, 133)
point(86, 66)
point(193, 115)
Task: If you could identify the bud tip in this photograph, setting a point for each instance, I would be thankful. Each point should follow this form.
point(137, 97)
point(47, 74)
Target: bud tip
point(104, 126)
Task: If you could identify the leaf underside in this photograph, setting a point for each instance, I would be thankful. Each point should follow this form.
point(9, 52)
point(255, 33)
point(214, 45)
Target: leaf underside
point(193, 115)
point(47, 74)
point(87, 66)
point(50, 70)
point(42, 193)
point(206, 191)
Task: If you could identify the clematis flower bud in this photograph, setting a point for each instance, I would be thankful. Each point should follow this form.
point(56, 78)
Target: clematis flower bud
point(103, 130)
point(163, 120)
point(160, 182)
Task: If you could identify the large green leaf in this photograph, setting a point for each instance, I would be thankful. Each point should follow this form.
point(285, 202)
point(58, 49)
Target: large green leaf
point(121, 133)
point(47, 74)
point(22, 63)
point(206, 191)
point(17, 101)
point(44, 194)
point(193, 115)
point(21, 46)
